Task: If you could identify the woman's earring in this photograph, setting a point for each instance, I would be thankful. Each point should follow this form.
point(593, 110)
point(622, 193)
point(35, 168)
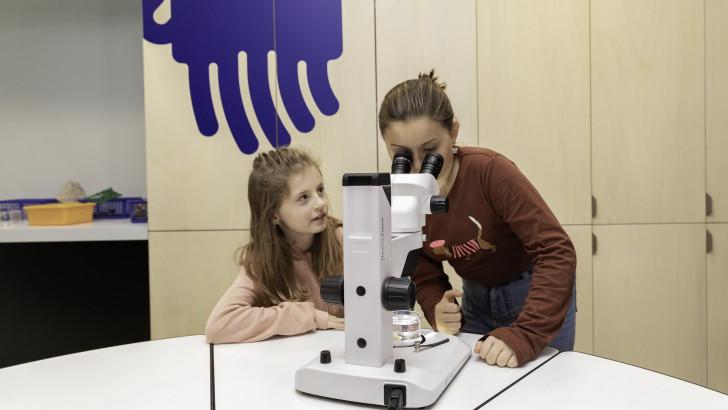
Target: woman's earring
point(454, 149)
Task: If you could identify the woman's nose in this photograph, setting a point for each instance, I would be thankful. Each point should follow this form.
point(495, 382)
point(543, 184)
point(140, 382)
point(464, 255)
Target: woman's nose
point(416, 164)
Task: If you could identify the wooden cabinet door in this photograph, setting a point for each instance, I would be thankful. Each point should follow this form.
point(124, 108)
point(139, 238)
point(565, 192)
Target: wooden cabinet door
point(414, 37)
point(533, 96)
point(718, 308)
point(582, 239)
point(649, 297)
point(648, 116)
point(716, 100)
point(188, 273)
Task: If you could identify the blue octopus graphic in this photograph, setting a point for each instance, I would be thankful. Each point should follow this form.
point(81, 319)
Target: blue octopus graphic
point(216, 31)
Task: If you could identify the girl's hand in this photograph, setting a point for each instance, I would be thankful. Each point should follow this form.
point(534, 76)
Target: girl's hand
point(494, 351)
point(335, 322)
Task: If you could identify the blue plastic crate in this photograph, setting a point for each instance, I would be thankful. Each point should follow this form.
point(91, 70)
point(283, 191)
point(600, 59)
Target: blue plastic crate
point(115, 208)
point(12, 204)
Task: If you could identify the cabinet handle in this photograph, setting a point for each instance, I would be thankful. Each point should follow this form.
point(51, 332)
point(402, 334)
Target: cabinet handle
point(708, 204)
point(594, 207)
point(594, 244)
point(708, 241)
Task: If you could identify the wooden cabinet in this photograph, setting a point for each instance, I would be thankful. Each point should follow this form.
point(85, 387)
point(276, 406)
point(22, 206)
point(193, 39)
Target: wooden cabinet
point(716, 105)
point(649, 297)
point(414, 37)
point(188, 273)
point(648, 116)
point(718, 308)
point(582, 239)
point(533, 96)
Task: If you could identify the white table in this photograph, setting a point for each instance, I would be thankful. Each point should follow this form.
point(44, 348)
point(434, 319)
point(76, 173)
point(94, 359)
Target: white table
point(98, 230)
point(162, 374)
point(175, 374)
point(574, 380)
point(261, 375)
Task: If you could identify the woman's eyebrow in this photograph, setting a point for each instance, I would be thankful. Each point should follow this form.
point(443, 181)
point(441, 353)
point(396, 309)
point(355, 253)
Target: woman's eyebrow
point(424, 143)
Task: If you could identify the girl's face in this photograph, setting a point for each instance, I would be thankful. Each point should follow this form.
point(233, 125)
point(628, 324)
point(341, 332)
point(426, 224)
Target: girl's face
point(421, 136)
point(303, 210)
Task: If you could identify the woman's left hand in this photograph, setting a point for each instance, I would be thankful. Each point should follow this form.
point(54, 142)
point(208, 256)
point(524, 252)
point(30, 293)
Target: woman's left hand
point(494, 351)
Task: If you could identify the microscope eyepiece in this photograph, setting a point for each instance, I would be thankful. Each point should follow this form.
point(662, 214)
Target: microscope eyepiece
point(432, 164)
point(402, 162)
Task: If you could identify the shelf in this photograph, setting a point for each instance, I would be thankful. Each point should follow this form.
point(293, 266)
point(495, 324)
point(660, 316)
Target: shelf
point(99, 230)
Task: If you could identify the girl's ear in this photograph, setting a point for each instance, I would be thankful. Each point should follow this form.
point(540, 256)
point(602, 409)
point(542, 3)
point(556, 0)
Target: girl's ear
point(276, 220)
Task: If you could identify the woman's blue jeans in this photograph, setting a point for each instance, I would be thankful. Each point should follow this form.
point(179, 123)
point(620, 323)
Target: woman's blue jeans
point(487, 308)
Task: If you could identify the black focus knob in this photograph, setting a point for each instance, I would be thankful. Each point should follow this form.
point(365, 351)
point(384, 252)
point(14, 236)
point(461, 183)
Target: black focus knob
point(398, 294)
point(332, 289)
point(400, 366)
point(438, 204)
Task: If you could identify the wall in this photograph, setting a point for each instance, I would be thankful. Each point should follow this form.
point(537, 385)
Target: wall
point(71, 97)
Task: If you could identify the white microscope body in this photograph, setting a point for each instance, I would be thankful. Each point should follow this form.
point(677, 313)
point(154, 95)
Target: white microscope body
point(382, 237)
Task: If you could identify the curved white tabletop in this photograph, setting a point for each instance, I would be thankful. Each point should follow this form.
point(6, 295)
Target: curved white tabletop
point(574, 380)
point(162, 374)
point(261, 375)
point(175, 374)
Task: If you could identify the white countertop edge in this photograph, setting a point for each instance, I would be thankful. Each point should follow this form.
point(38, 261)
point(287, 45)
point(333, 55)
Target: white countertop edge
point(99, 230)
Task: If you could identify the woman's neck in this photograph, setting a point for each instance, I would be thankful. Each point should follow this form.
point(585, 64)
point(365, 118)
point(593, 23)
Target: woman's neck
point(449, 179)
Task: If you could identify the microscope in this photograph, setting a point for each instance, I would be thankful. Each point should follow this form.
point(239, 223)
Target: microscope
point(383, 218)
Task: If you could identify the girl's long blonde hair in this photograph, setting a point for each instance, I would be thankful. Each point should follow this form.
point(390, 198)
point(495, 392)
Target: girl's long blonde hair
point(268, 257)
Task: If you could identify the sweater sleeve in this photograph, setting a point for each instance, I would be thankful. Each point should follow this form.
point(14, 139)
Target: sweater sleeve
point(235, 319)
point(431, 283)
point(551, 252)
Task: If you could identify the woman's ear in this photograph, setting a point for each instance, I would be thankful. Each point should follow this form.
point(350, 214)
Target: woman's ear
point(276, 220)
point(454, 131)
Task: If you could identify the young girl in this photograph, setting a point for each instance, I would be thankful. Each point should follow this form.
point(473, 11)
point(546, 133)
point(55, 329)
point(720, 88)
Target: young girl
point(516, 261)
point(294, 244)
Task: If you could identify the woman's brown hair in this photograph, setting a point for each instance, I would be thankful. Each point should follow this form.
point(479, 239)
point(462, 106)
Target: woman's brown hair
point(420, 97)
point(268, 257)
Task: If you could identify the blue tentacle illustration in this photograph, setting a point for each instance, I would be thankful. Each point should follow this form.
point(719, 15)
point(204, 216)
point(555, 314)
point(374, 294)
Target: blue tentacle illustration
point(292, 96)
point(217, 31)
point(262, 101)
point(199, 75)
point(156, 33)
point(232, 104)
point(318, 80)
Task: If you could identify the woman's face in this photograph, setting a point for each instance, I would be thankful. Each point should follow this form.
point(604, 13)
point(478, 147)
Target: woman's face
point(303, 210)
point(419, 137)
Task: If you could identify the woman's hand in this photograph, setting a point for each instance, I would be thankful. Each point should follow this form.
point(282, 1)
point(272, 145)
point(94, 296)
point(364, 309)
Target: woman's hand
point(494, 351)
point(447, 313)
point(335, 322)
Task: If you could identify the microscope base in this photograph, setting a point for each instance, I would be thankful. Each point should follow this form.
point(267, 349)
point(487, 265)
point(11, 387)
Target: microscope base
point(427, 374)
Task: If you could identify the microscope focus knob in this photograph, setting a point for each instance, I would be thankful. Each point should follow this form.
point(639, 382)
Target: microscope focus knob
point(398, 294)
point(438, 204)
point(332, 289)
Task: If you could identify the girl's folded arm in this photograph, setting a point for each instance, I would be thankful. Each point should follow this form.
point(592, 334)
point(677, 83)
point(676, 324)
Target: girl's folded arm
point(235, 319)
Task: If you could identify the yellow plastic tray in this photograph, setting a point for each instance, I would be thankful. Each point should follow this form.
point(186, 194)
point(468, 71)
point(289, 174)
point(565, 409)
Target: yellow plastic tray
point(66, 213)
